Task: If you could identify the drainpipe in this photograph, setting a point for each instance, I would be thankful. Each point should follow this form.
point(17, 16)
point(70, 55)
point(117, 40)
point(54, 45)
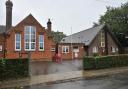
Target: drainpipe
point(86, 48)
point(4, 51)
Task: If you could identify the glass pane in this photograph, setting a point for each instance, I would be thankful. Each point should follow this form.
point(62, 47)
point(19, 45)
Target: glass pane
point(32, 38)
point(41, 38)
point(63, 49)
point(17, 45)
point(41, 46)
point(32, 45)
point(27, 29)
point(33, 30)
point(26, 38)
point(17, 37)
point(66, 49)
point(26, 45)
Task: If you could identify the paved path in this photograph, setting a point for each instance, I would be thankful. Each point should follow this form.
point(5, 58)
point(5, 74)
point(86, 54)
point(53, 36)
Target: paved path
point(44, 68)
point(50, 78)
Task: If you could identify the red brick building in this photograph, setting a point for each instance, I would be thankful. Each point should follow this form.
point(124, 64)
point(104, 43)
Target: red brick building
point(98, 40)
point(28, 36)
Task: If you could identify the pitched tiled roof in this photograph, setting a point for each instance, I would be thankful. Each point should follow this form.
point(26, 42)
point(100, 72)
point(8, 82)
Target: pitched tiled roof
point(85, 36)
point(2, 28)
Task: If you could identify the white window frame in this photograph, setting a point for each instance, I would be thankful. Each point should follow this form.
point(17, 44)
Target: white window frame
point(53, 49)
point(102, 39)
point(17, 42)
point(117, 49)
point(113, 49)
point(64, 49)
point(41, 42)
point(95, 49)
point(30, 29)
point(1, 48)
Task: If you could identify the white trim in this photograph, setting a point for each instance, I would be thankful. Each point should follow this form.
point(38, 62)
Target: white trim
point(102, 39)
point(16, 42)
point(41, 43)
point(64, 49)
point(113, 49)
point(30, 30)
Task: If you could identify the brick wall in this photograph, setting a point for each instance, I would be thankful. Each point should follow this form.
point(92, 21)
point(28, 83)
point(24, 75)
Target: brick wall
point(96, 42)
point(68, 56)
point(35, 55)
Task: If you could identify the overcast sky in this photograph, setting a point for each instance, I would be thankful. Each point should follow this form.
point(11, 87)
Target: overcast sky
point(64, 14)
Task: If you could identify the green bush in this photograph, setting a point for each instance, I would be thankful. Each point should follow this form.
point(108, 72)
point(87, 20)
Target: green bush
point(13, 68)
point(105, 62)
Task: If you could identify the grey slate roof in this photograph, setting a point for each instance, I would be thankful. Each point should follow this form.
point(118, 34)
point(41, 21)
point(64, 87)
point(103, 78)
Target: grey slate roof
point(2, 29)
point(85, 36)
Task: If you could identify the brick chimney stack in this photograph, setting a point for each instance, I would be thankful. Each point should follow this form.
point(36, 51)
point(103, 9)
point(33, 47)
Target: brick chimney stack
point(49, 25)
point(9, 6)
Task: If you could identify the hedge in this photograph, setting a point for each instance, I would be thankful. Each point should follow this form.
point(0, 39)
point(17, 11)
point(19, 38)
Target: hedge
point(105, 62)
point(13, 68)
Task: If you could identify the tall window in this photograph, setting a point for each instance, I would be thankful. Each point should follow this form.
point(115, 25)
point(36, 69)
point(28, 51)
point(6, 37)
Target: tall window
point(113, 49)
point(65, 49)
point(95, 49)
point(102, 39)
point(17, 42)
point(30, 38)
point(41, 42)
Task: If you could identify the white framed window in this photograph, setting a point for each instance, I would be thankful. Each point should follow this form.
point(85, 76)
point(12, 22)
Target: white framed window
point(17, 42)
point(102, 39)
point(41, 42)
point(113, 49)
point(95, 49)
point(65, 49)
point(0, 47)
point(53, 49)
point(30, 38)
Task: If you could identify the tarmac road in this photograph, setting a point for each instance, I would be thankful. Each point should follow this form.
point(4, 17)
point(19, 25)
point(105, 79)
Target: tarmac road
point(119, 81)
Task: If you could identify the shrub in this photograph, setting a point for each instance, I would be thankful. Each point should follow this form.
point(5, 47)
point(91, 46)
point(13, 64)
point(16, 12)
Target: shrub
point(105, 62)
point(13, 68)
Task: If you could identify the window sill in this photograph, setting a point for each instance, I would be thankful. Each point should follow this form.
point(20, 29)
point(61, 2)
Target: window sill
point(41, 50)
point(30, 50)
point(65, 53)
point(17, 50)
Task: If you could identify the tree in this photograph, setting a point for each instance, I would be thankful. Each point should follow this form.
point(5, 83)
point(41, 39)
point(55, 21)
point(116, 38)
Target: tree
point(117, 20)
point(57, 36)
